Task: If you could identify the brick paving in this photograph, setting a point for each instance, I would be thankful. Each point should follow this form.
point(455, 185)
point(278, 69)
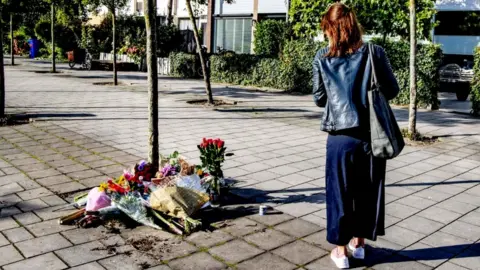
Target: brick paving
point(84, 133)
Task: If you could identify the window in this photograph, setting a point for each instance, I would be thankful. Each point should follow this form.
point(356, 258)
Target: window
point(458, 23)
point(139, 8)
point(234, 34)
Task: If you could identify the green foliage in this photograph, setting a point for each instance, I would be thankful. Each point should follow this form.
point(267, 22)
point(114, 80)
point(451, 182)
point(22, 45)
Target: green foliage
point(169, 39)
point(270, 37)
point(429, 57)
point(378, 16)
point(65, 38)
point(183, 65)
point(475, 93)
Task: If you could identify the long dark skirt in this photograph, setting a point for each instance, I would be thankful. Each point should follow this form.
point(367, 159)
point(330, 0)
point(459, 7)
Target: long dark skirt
point(355, 185)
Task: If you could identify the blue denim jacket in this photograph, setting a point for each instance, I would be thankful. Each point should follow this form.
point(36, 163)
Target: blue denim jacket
point(340, 84)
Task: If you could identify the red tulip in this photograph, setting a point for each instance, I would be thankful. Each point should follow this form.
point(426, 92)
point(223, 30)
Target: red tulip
point(220, 143)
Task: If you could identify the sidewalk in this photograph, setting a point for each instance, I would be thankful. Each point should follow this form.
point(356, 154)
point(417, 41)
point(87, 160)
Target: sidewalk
point(85, 132)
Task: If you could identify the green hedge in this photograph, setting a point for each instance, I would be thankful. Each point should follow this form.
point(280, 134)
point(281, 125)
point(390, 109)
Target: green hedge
point(475, 92)
point(429, 58)
point(270, 37)
point(183, 65)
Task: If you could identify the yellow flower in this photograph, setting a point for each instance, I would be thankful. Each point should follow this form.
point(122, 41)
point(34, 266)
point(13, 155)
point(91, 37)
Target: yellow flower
point(103, 187)
point(199, 172)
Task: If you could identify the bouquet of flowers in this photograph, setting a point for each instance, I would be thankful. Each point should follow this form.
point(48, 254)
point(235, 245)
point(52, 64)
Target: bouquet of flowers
point(212, 155)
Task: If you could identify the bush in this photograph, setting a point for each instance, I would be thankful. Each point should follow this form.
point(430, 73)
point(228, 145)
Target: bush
point(183, 65)
point(429, 58)
point(169, 39)
point(475, 92)
point(270, 37)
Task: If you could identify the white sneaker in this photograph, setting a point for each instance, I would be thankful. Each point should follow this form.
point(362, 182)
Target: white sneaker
point(357, 253)
point(341, 262)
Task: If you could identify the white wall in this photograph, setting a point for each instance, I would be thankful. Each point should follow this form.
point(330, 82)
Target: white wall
point(462, 45)
point(238, 7)
point(182, 9)
point(272, 6)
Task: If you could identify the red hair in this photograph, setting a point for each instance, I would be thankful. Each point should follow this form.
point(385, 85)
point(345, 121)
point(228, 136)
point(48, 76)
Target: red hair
point(341, 26)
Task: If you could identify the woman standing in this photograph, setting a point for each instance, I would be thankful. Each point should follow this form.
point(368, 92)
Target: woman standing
point(355, 179)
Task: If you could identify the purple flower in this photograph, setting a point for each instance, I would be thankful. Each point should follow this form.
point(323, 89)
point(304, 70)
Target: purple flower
point(168, 170)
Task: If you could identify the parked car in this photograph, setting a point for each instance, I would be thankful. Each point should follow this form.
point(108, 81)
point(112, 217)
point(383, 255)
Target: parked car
point(456, 78)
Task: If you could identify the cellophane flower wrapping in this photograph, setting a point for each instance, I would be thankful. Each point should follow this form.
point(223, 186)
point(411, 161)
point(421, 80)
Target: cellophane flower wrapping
point(133, 206)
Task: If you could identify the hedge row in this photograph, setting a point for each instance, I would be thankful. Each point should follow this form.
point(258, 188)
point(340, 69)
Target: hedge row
point(293, 71)
point(475, 92)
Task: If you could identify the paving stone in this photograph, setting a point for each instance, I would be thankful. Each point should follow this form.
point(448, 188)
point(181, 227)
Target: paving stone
point(433, 195)
point(300, 208)
point(416, 202)
point(467, 198)
point(100, 163)
point(9, 211)
point(271, 186)
point(67, 187)
point(235, 251)
point(472, 218)
point(299, 252)
point(47, 261)
point(3, 241)
point(28, 184)
point(269, 239)
point(426, 255)
point(53, 180)
point(298, 228)
point(84, 253)
point(266, 261)
point(468, 259)
point(31, 205)
point(446, 242)
point(34, 193)
point(421, 225)
point(134, 260)
point(83, 174)
point(45, 244)
point(312, 218)
point(199, 260)
point(402, 264)
point(94, 181)
point(439, 214)
point(7, 223)
point(72, 168)
point(44, 173)
point(88, 266)
point(456, 206)
point(33, 167)
point(9, 255)
point(47, 227)
point(27, 218)
point(450, 266)
point(243, 226)
point(324, 263)
point(17, 235)
point(272, 218)
point(401, 236)
point(80, 236)
point(399, 210)
point(10, 189)
point(464, 230)
point(209, 239)
point(319, 239)
point(53, 200)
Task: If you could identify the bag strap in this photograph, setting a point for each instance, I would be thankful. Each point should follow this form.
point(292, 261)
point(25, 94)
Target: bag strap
point(374, 79)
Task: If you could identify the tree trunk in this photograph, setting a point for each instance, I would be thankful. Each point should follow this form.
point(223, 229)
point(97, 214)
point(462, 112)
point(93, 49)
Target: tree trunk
point(412, 121)
point(2, 74)
point(150, 23)
point(12, 51)
point(206, 72)
point(54, 68)
point(114, 18)
point(170, 12)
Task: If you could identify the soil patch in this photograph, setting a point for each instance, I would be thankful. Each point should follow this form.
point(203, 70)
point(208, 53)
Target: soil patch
point(46, 72)
point(216, 102)
point(418, 139)
point(109, 83)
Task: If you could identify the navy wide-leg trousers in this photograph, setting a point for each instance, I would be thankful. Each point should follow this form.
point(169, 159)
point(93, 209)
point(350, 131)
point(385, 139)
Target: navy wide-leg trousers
point(355, 187)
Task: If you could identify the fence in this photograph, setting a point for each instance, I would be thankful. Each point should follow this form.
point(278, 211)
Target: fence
point(163, 63)
point(164, 66)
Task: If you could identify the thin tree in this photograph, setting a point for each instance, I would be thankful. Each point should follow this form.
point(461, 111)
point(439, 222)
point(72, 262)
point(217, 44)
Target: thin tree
point(113, 7)
point(150, 24)
point(54, 66)
point(2, 69)
point(170, 12)
point(206, 72)
point(412, 120)
point(12, 51)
